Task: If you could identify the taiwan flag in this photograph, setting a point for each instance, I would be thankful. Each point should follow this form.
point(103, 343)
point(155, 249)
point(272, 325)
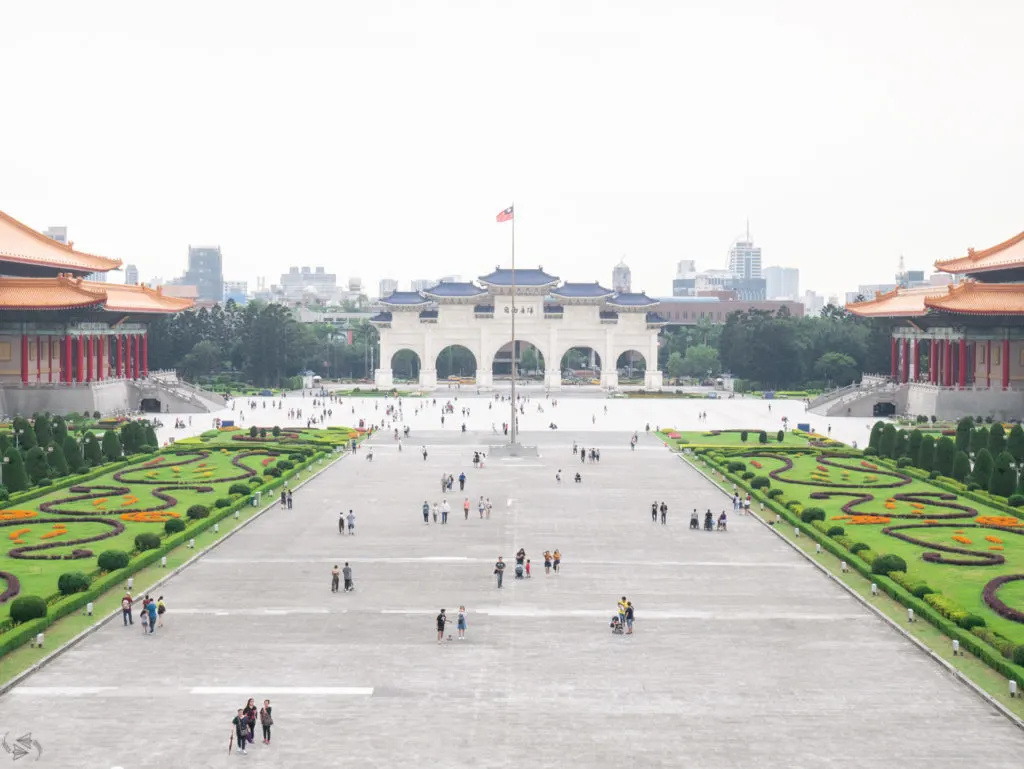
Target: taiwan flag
point(506, 216)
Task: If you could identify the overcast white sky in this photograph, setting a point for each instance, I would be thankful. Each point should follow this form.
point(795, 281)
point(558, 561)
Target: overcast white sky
point(380, 138)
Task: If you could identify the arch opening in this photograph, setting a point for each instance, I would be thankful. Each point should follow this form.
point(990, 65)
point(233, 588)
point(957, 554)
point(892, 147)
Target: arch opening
point(581, 365)
point(456, 362)
point(405, 365)
point(529, 361)
point(631, 366)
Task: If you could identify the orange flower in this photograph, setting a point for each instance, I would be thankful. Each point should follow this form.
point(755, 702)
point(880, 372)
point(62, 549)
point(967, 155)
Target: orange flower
point(998, 520)
point(996, 547)
point(16, 534)
point(840, 517)
point(929, 520)
point(917, 505)
point(862, 519)
point(962, 540)
point(890, 505)
point(153, 516)
point(17, 515)
point(994, 540)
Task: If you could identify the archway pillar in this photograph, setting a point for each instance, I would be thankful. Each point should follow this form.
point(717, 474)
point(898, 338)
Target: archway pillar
point(428, 364)
point(428, 378)
point(384, 377)
point(609, 362)
point(552, 376)
point(484, 362)
point(653, 379)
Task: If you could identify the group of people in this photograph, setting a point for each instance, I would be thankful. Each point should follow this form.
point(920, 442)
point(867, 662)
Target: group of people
point(709, 522)
point(552, 560)
point(151, 614)
point(350, 519)
point(663, 509)
point(345, 572)
point(434, 510)
point(622, 622)
point(442, 620)
point(286, 498)
point(244, 724)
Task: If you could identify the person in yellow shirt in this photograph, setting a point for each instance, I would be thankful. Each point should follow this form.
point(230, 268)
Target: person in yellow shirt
point(622, 610)
point(547, 561)
point(557, 559)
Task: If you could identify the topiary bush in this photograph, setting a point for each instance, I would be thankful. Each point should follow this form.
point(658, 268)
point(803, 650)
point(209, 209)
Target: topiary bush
point(762, 437)
point(223, 502)
point(903, 462)
point(835, 531)
point(743, 436)
point(276, 431)
point(72, 582)
point(273, 472)
point(197, 512)
point(112, 560)
point(889, 562)
point(1015, 500)
point(871, 451)
point(747, 475)
point(774, 493)
point(812, 514)
point(920, 591)
point(779, 436)
point(174, 525)
point(284, 464)
point(27, 607)
point(971, 621)
point(735, 467)
point(238, 488)
point(147, 540)
point(857, 547)
point(761, 482)
point(1018, 655)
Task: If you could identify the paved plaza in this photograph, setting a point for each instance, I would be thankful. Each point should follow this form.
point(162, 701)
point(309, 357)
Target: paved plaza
point(743, 656)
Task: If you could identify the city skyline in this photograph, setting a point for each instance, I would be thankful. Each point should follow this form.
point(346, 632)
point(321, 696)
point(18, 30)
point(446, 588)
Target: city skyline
point(887, 158)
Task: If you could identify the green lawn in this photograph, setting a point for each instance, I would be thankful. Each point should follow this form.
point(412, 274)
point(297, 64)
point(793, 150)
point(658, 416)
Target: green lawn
point(877, 490)
point(733, 438)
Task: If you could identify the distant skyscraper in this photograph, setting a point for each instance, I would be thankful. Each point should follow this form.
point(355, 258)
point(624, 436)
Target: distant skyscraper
point(131, 275)
point(621, 278)
point(388, 286)
point(422, 284)
point(745, 257)
point(205, 272)
point(782, 282)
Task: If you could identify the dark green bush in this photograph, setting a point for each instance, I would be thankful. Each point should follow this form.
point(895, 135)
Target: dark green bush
point(276, 431)
point(971, 621)
point(933, 474)
point(812, 514)
point(112, 560)
point(762, 437)
point(779, 436)
point(253, 431)
point(1018, 655)
point(273, 472)
point(239, 488)
point(761, 482)
point(284, 465)
point(903, 462)
point(255, 480)
point(746, 475)
point(72, 582)
point(972, 486)
point(197, 512)
point(889, 562)
point(774, 493)
point(871, 451)
point(27, 607)
point(736, 467)
point(743, 436)
point(174, 525)
point(920, 591)
point(857, 547)
point(223, 502)
point(147, 540)
point(1015, 500)
point(836, 531)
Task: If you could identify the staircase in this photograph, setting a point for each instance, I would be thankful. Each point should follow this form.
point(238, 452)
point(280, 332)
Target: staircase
point(177, 395)
point(857, 399)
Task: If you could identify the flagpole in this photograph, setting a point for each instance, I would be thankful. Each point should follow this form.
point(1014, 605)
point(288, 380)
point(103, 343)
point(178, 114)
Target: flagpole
point(513, 424)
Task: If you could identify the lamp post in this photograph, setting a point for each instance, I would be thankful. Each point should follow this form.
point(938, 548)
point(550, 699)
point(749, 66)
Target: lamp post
point(6, 461)
point(17, 438)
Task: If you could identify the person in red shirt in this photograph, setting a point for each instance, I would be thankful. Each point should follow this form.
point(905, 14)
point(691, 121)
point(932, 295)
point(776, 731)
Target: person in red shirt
point(126, 609)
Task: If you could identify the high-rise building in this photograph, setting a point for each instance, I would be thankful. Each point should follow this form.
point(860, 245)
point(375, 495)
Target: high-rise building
point(60, 234)
point(621, 278)
point(685, 281)
point(131, 275)
point(422, 284)
point(745, 257)
point(301, 283)
point(236, 291)
point(205, 272)
point(782, 282)
point(812, 302)
point(388, 286)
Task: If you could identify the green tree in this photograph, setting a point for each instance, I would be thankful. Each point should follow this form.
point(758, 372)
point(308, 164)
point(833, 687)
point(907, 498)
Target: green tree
point(43, 429)
point(73, 454)
point(131, 437)
point(996, 439)
point(902, 444)
point(701, 359)
point(205, 358)
point(60, 430)
point(875, 441)
point(36, 465)
point(675, 365)
point(963, 434)
point(945, 454)
point(149, 436)
point(1015, 443)
point(26, 436)
point(887, 445)
point(926, 457)
point(57, 460)
point(836, 368)
point(92, 451)
point(15, 477)
point(983, 466)
point(1004, 477)
point(111, 446)
point(528, 359)
point(979, 440)
point(961, 466)
point(914, 447)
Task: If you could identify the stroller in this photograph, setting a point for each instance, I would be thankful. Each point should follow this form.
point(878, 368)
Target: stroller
point(616, 626)
point(519, 571)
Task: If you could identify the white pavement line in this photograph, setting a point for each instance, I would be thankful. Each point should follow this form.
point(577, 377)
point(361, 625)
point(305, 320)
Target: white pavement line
point(60, 691)
point(316, 691)
point(255, 612)
point(470, 560)
point(682, 614)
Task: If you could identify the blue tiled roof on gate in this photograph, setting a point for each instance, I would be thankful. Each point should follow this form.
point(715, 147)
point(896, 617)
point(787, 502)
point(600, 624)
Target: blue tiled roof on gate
point(632, 300)
point(428, 315)
point(582, 290)
point(405, 297)
point(653, 317)
point(381, 317)
point(525, 278)
point(608, 315)
point(453, 288)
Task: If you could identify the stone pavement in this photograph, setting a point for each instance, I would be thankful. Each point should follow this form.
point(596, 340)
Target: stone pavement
point(743, 656)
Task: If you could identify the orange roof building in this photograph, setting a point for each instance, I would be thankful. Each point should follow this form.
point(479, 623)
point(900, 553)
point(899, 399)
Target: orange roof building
point(58, 328)
point(964, 335)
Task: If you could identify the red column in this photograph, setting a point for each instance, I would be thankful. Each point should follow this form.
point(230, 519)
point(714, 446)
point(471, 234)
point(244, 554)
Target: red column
point(39, 359)
point(127, 357)
point(988, 363)
point(145, 354)
point(933, 359)
point(118, 338)
point(905, 363)
point(892, 356)
point(947, 363)
point(963, 364)
point(65, 360)
point(133, 356)
point(80, 359)
point(88, 359)
point(1006, 363)
point(101, 357)
point(914, 363)
point(24, 359)
point(49, 358)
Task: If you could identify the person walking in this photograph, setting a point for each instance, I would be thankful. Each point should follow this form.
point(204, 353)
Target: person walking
point(499, 570)
point(351, 523)
point(347, 574)
point(249, 711)
point(461, 624)
point(441, 619)
point(664, 513)
point(266, 721)
point(161, 610)
point(445, 509)
point(289, 499)
point(150, 607)
point(465, 508)
point(547, 561)
point(241, 731)
point(284, 499)
point(629, 618)
point(654, 512)
point(433, 511)
point(341, 523)
point(426, 512)
point(462, 481)
point(480, 507)
point(487, 514)
point(556, 559)
point(423, 449)
point(335, 574)
point(126, 609)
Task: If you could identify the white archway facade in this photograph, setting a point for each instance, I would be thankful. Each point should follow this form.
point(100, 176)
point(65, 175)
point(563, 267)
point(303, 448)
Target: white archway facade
point(553, 318)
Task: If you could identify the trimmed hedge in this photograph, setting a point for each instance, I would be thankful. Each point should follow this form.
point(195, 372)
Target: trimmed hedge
point(28, 607)
point(72, 582)
point(147, 540)
point(761, 482)
point(858, 546)
point(198, 512)
point(174, 525)
point(112, 560)
point(239, 488)
point(223, 502)
point(884, 564)
point(812, 514)
point(773, 493)
point(835, 531)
